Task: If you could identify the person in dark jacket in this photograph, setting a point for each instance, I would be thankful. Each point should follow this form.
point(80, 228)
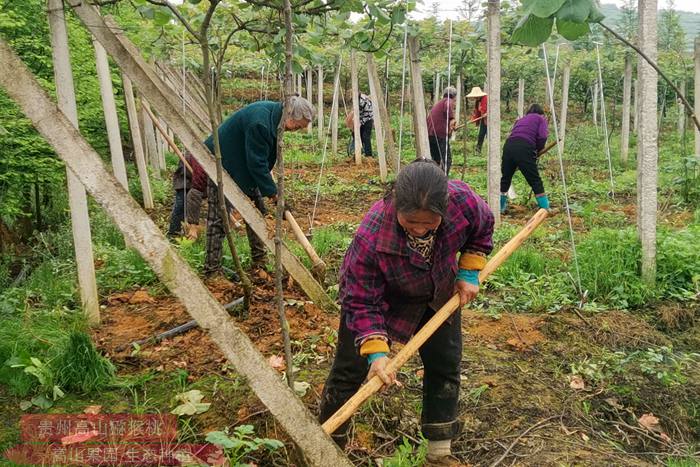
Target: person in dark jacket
point(400, 268)
point(248, 140)
point(520, 151)
point(190, 187)
point(441, 123)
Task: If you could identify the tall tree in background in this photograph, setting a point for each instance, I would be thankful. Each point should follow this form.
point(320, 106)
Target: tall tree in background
point(671, 34)
point(469, 10)
point(628, 24)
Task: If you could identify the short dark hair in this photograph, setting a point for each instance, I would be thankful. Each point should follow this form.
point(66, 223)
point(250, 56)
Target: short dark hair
point(421, 185)
point(535, 109)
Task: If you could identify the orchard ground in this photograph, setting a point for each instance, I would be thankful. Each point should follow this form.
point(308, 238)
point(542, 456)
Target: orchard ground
point(550, 376)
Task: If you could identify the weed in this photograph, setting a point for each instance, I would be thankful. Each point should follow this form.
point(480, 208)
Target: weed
point(122, 269)
point(80, 367)
point(408, 456)
point(241, 443)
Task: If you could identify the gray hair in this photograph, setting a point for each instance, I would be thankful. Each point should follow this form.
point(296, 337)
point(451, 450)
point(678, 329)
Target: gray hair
point(300, 108)
point(450, 91)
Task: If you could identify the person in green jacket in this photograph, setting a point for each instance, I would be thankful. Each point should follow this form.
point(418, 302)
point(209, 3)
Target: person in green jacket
point(248, 140)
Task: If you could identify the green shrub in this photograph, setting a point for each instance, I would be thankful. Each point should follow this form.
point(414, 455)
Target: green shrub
point(121, 269)
point(678, 263)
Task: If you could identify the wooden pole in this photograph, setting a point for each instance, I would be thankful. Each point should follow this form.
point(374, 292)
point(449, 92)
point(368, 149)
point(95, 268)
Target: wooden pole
point(521, 97)
point(494, 107)
point(167, 139)
point(626, 103)
point(319, 105)
point(595, 105)
point(419, 115)
point(318, 267)
point(378, 125)
point(110, 111)
point(168, 105)
point(355, 107)
point(566, 74)
point(647, 162)
point(137, 142)
point(334, 108)
point(381, 108)
point(149, 137)
point(419, 338)
point(310, 93)
point(696, 60)
point(77, 198)
point(636, 107)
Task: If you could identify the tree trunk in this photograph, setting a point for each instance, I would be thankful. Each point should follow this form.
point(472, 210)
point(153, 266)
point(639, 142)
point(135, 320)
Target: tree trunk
point(626, 97)
point(636, 106)
point(137, 142)
point(110, 111)
point(77, 198)
point(334, 108)
point(355, 107)
point(319, 105)
point(521, 97)
point(648, 142)
point(494, 107)
point(420, 121)
point(564, 103)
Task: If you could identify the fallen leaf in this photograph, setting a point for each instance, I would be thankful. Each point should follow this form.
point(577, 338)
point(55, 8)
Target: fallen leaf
point(191, 403)
point(585, 437)
point(577, 382)
point(79, 437)
point(92, 409)
point(116, 298)
point(300, 387)
point(612, 402)
point(648, 421)
point(665, 437)
point(420, 373)
point(277, 362)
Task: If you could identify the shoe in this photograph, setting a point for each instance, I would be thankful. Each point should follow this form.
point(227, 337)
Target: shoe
point(542, 201)
point(504, 203)
point(444, 461)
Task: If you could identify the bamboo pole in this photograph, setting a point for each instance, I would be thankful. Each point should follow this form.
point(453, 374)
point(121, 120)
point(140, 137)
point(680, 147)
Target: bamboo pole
point(318, 268)
point(412, 346)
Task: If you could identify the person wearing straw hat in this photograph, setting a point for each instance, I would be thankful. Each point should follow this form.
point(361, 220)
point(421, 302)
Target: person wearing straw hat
point(441, 123)
point(479, 114)
point(400, 268)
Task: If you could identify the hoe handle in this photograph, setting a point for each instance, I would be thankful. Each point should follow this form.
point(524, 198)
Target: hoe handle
point(412, 346)
point(318, 264)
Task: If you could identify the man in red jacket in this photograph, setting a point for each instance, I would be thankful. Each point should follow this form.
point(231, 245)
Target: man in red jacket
point(190, 189)
point(479, 115)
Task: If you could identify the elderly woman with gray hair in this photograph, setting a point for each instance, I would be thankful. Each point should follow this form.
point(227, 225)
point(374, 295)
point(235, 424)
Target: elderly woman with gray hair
point(248, 140)
point(441, 124)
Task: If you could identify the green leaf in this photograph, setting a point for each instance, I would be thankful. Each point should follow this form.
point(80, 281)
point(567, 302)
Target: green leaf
point(191, 403)
point(194, 2)
point(25, 405)
point(574, 10)
point(300, 387)
point(596, 15)
point(572, 31)
point(42, 402)
point(532, 30)
point(161, 17)
point(398, 16)
point(545, 8)
point(220, 438)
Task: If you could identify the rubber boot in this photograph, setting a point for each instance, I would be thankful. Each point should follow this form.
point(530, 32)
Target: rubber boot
point(504, 202)
point(542, 201)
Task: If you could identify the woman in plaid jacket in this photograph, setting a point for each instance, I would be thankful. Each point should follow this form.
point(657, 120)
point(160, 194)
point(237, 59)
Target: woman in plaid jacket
point(400, 268)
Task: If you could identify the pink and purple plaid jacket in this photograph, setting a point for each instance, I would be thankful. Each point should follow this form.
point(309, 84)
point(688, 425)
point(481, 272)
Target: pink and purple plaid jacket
point(385, 286)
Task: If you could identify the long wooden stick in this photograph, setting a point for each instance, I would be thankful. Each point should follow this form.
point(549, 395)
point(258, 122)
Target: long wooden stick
point(170, 142)
point(547, 148)
point(412, 346)
point(319, 266)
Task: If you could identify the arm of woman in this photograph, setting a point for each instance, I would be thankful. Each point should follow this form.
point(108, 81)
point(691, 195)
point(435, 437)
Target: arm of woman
point(542, 134)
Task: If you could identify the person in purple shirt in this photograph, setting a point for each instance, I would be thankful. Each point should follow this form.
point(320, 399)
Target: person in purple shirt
point(400, 268)
point(527, 138)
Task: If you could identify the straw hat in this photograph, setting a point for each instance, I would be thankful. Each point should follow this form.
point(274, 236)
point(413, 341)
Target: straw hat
point(476, 92)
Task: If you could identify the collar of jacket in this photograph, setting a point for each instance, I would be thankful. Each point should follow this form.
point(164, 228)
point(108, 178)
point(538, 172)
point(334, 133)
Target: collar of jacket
point(392, 238)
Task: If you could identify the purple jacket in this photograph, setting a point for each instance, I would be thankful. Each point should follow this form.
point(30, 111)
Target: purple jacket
point(531, 128)
point(385, 286)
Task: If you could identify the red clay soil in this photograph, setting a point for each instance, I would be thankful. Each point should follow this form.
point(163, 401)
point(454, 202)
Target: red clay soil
point(518, 332)
point(132, 316)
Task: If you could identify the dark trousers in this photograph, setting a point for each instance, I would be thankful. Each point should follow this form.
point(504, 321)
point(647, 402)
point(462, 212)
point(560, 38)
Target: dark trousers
point(519, 154)
point(216, 232)
point(483, 129)
point(441, 356)
point(366, 137)
point(441, 152)
point(177, 216)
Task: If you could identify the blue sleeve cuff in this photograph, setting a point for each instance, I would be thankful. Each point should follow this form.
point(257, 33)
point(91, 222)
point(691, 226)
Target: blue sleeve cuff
point(469, 276)
point(373, 356)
